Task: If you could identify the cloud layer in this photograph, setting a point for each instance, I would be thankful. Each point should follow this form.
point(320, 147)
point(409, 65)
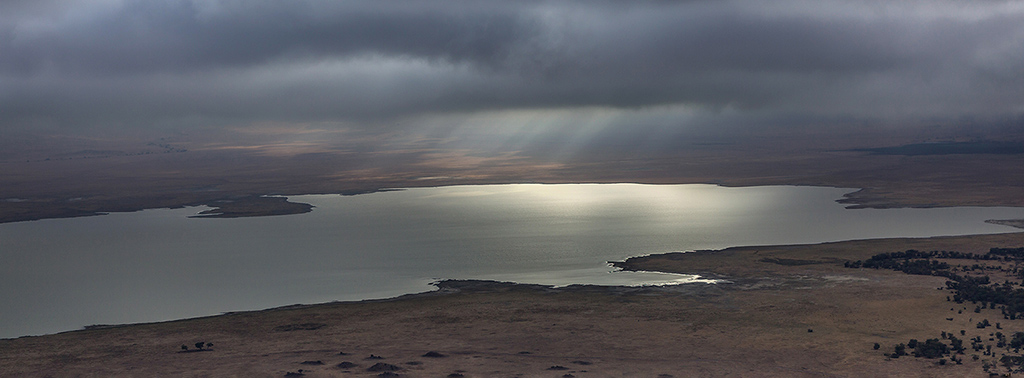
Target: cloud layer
point(142, 63)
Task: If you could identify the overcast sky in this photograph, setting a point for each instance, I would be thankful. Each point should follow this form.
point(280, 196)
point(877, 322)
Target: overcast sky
point(609, 64)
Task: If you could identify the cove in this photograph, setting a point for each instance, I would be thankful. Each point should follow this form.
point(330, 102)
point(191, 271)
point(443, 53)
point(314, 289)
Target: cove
point(153, 265)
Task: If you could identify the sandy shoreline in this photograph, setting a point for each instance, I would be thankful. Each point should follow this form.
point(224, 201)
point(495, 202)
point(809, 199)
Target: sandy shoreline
point(788, 311)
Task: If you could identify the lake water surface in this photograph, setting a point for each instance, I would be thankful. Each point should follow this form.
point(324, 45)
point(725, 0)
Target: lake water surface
point(62, 274)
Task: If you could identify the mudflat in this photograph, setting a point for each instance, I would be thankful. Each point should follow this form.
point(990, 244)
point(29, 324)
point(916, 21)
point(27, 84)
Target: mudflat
point(779, 311)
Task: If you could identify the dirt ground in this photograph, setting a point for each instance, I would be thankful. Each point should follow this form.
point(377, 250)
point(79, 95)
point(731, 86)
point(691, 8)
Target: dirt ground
point(791, 311)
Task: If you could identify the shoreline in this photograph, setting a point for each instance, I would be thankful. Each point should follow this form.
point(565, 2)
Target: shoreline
point(297, 297)
point(653, 263)
point(788, 310)
point(274, 204)
point(442, 287)
point(828, 195)
point(251, 204)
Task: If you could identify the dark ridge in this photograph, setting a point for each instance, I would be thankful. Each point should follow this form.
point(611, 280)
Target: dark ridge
point(791, 262)
point(950, 148)
point(368, 191)
point(299, 327)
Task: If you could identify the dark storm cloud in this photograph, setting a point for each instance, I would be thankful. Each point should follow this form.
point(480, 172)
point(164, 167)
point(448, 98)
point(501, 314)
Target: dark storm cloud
point(182, 36)
point(138, 62)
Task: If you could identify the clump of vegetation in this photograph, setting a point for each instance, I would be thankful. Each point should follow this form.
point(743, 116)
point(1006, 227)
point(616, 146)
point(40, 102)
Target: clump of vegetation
point(973, 285)
point(380, 366)
point(969, 279)
point(198, 347)
point(932, 348)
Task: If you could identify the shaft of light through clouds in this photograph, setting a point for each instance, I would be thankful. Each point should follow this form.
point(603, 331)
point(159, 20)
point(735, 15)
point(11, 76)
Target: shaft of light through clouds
point(141, 64)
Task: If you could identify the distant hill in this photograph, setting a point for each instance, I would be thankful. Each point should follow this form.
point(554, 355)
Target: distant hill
point(950, 148)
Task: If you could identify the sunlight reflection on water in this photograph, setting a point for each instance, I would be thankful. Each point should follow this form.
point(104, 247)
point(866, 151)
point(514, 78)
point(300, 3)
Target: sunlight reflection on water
point(158, 264)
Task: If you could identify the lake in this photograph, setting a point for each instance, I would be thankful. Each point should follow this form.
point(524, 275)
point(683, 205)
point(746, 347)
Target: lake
point(62, 274)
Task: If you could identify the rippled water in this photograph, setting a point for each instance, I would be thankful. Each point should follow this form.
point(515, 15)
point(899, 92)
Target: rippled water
point(158, 264)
